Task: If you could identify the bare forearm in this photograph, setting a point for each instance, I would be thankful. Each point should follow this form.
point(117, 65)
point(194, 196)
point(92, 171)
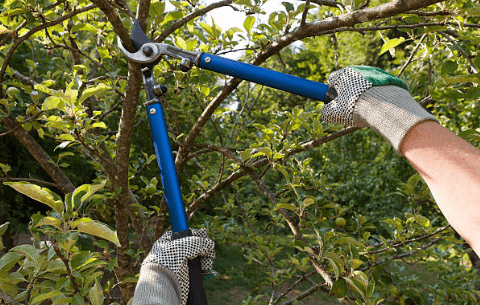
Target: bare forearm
point(451, 168)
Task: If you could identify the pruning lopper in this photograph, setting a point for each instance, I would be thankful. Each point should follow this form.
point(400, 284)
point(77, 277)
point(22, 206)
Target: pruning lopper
point(149, 54)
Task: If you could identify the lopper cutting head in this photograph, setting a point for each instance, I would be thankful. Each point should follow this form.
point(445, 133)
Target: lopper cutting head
point(150, 53)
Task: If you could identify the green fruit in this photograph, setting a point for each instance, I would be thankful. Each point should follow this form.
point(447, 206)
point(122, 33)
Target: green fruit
point(151, 189)
point(340, 222)
point(13, 92)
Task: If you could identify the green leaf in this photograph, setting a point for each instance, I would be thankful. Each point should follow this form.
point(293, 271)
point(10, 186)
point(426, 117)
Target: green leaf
point(100, 88)
point(339, 288)
point(53, 102)
point(349, 240)
point(355, 263)
point(44, 296)
point(3, 228)
point(28, 250)
point(44, 89)
point(80, 258)
point(248, 23)
point(9, 288)
point(288, 6)
point(48, 221)
point(464, 78)
point(96, 294)
point(98, 125)
point(38, 193)
point(357, 286)
point(180, 42)
point(476, 61)
point(390, 44)
point(308, 202)
point(9, 260)
point(449, 67)
point(95, 228)
point(423, 221)
point(286, 206)
point(336, 263)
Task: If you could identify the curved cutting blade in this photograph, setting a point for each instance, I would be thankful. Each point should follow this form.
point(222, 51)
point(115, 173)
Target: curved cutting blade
point(138, 36)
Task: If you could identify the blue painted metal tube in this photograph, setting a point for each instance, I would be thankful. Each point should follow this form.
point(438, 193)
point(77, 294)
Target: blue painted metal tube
point(168, 172)
point(259, 75)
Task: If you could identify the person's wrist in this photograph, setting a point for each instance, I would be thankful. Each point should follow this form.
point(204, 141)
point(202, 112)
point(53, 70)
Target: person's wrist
point(391, 112)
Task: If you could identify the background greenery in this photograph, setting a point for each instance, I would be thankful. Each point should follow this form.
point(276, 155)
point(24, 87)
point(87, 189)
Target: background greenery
point(301, 212)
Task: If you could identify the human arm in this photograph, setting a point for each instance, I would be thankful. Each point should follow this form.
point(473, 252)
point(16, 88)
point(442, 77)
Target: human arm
point(164, 275)
point(451, 168)
point(449, 165)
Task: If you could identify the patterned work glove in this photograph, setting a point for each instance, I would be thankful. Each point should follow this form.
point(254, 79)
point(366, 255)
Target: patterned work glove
point(371, 97)
point(175, 255)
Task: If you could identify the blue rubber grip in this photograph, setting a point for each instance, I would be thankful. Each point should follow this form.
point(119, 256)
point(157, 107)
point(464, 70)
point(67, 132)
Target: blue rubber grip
point(262, 76)
point(168, 172)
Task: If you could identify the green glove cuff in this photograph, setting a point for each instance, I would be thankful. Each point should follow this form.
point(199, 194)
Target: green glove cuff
point(378, 77)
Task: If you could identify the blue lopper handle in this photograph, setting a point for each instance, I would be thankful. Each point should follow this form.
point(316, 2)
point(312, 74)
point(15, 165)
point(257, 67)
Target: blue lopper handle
point(270, 78)
point(173, 196)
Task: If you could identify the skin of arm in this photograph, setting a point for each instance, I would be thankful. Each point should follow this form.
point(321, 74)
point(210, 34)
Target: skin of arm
point(451, 168)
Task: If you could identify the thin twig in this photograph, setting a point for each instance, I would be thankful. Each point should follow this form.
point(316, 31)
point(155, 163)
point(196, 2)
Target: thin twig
point(404, 242)
point(403, 255)
point(306, 293)
point(301, 279)
point(414, 51)
point(330, 3)
point(462, 51)
point(426, 14)
point(180, 22)
point(305, 12)
point(67, 267)
point(5, 179)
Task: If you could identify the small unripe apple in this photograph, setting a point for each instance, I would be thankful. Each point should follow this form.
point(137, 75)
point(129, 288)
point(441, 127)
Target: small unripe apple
point(340, 222)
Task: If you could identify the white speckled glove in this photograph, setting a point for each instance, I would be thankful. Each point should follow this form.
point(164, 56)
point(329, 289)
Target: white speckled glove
point(164, 275)
point(371, 97)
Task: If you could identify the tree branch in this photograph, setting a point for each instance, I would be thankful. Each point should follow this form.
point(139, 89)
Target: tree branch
point(39, 154)
point(404, 242)
point(180, 22)
point(306, 293)
point(403, 255)
point(67, 267)
point(142, 13)
point(37, 181)
point(305, 12)
point(116, 22)
point(122, 202)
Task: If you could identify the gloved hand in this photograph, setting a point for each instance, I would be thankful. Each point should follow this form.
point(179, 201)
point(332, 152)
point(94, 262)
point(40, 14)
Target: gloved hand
point(174, 256)
point(371, 97)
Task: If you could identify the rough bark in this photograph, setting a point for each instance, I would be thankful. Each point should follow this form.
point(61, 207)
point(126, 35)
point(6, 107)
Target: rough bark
point(39, 154)
point(122, 202)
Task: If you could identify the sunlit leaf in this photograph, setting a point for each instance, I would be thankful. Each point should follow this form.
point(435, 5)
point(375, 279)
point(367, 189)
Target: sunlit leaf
point(38, 193)
point(390, 44)
point(95, 228)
